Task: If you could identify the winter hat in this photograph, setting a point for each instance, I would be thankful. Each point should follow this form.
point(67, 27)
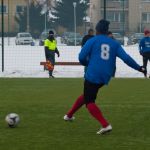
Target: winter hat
point(102, 26)
point(146, 31)
point(51, 32)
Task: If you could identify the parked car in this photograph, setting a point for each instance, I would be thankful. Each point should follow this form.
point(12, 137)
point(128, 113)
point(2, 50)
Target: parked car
point(64, 37)
point(43, 37)
point(23, 38)
point(135, 38)
point(71, 39)
point(119, 38)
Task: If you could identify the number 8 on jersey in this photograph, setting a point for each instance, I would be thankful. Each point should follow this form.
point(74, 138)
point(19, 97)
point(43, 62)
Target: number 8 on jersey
point(105, 51)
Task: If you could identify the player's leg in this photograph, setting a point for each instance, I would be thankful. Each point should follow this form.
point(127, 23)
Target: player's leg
point(51, 58)
point(46, 57)
point(145, 61)
point(90, 94)
point(76, 106)
point(149, 59)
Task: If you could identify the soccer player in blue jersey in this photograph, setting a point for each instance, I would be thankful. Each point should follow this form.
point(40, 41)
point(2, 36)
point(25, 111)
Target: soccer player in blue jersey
point(99, 55)
point(144, 47)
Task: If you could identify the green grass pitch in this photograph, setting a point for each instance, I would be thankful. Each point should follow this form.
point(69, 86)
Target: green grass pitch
point(42, 103)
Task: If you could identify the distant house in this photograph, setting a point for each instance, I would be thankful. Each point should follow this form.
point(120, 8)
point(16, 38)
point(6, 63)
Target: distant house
point(130, 15)
point(11, 9)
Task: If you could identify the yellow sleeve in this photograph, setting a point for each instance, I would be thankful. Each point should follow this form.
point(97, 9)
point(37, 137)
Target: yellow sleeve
point(46, 44)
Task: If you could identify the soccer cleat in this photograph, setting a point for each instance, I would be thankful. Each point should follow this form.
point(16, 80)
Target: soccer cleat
point(51, 76)
point(66, 118)
point(105, 130)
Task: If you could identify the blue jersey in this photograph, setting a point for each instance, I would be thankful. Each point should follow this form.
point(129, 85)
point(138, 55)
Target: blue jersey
point(144, 45)
point(99, 55)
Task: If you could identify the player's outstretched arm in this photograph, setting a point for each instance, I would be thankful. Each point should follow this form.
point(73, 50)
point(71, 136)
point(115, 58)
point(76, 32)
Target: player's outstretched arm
point(127, 59)
point(140, 47)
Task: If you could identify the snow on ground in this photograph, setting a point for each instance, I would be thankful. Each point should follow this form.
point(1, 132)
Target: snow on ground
point(24, 61)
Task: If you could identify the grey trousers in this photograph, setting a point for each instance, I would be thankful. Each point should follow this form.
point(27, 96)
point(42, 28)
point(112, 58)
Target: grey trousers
point(50, 55)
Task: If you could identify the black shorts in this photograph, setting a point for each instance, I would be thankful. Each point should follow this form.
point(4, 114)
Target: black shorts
point(146, 55)
point(90, 91)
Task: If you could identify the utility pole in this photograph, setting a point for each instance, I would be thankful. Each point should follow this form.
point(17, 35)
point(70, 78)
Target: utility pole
point(104, 9)
point(74, 5)
point(123, 26)
point(28, 15)
point(8, 22)
point(2, 9)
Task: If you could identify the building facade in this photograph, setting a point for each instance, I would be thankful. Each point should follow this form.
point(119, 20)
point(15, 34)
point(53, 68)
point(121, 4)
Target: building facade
point(11, 9)
point(124, 15)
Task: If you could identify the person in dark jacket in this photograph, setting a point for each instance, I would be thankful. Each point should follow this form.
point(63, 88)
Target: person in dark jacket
point(87, 37)
point(144, 48)
point(50, 46)
point(110, 34)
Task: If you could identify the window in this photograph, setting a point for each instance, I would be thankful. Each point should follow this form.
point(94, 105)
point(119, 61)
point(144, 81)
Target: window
point(19, 9)
point(146, 17)
point(115, 16)
point(118, 0)
point(4, 9)
point(146, 0)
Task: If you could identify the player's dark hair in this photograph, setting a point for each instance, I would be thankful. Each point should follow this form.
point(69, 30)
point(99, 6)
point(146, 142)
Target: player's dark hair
point(90, 30)
point(102, 26)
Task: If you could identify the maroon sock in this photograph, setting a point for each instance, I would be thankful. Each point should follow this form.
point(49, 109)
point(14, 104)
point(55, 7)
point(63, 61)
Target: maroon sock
point(97, 114)
point(78, 103)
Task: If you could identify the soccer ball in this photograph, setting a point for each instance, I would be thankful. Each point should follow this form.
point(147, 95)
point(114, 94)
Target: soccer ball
point(12, 120)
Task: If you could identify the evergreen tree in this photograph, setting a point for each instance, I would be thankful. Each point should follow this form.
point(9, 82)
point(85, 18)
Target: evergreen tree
point(36, 20)
point(64, 13)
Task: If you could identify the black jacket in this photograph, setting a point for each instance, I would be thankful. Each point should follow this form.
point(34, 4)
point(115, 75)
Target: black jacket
point(85, 38)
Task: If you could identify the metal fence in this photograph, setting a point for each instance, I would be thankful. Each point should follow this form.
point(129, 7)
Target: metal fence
point(38, 16)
